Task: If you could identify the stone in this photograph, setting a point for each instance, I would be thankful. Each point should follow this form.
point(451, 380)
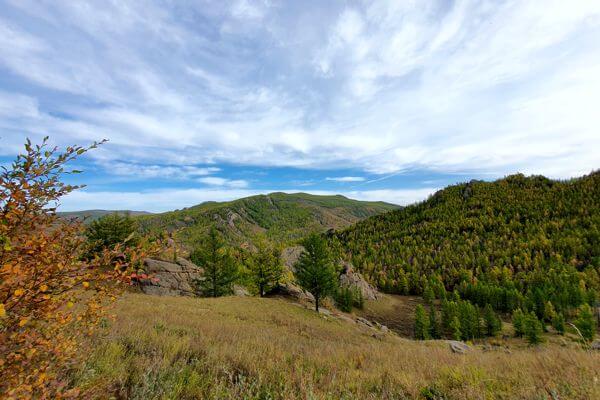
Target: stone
point(166, 278)
point(458, 347)
point(350, 278)
point(595, 345)
point(240, 291)
point(364, 321)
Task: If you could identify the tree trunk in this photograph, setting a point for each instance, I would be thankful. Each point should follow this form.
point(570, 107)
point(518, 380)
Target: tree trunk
point(317, 303)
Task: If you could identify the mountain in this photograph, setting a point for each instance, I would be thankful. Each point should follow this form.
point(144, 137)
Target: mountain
point(91, 215)
point(280, 217)
point(516, 242)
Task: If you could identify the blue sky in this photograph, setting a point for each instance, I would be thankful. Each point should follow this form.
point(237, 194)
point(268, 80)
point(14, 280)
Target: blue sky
point(376, 100)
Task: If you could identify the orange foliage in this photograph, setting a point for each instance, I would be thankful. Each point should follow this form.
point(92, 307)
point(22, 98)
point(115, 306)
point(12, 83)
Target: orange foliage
point(50, 295)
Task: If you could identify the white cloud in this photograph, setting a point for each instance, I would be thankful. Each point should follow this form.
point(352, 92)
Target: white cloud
point(217, 181)
point(161, 200)
point(141, 171)
point(346, 179)
point(482, 87)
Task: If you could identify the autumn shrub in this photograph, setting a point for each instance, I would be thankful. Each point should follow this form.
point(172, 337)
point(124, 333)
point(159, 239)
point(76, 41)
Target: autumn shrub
point(50, 296)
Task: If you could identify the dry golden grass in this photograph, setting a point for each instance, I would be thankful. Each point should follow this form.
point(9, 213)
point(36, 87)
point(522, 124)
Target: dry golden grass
point(252, 348)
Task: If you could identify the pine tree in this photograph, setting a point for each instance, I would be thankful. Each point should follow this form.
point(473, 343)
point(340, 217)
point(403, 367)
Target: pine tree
point(421, 324)
point(428, 294)
point(585, 322)
point(220, 269)
point(110, 230)
point(314, 269)
point(559, 323)
point(434, 326)
point(455, 328)
point(493, 325)
point(518, 320)
point(532, 328)
point(266, 268)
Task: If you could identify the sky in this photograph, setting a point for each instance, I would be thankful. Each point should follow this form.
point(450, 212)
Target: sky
point(374, 100)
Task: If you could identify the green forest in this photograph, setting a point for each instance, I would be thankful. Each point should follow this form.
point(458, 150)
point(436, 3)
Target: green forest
point(527, 243)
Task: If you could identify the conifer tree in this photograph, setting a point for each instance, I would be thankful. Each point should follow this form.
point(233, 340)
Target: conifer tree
point(421, 323)
point(532, 328)
point(266, 268)
point(314, 270)
point(559, 323)
point(109, 230)
point(518, 320)
point(585, 322)
point(493, 325)
point(220, 269)
point(434, 326)
point(428, 294)
point(455, 328)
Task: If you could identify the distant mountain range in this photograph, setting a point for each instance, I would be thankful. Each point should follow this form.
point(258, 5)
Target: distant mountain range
point(91, 215)
point(280, 217)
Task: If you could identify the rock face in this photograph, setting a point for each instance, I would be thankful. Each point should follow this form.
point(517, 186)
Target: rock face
point(351, 278)
point(170, 279)
point(290, 255)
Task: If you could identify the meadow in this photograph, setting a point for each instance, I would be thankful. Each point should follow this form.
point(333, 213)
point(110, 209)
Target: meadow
point(266, 348)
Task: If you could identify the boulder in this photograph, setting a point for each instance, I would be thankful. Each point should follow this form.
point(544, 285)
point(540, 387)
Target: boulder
point(458, 347)
point(240, 291)
point(290, 255)
point(293, 291)
point(169, 278)
point(349, 277)
point(595, 345)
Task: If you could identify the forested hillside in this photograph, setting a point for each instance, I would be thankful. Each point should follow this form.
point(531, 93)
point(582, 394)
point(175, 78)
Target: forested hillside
point(280, 217)
point(519, 242)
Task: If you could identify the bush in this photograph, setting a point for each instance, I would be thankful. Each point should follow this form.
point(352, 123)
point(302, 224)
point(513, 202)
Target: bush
point(518, 320)
point(493, 325)
point(558, 323)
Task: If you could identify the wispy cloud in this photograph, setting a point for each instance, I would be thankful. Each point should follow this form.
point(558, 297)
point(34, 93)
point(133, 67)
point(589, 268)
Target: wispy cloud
point(376, 87)
point(346, 179)
point(217, 181)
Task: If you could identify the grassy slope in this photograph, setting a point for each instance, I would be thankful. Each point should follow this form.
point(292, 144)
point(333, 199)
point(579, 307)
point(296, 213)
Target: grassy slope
point(281, 217)
point(231, 348)
point(91, 215)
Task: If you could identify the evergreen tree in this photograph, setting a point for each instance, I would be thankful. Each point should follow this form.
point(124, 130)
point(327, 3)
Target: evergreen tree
point(110, 230)
point(585, 322)
point(428, 294)
point(421, 324)
point(344, 298)
point(532, 328)
point(559, 323)
point(266, 268)
point(455, 328)
point(493, 325)
point(434, 326)
point(314, 270)
point(220, 269)
point(518, 320)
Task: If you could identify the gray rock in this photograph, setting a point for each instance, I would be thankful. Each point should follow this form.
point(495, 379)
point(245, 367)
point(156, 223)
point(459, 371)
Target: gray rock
point(458, 347)
point(290, 256)
point(595, 345)
point(293, 291)
point(350, 278)
point(364, 321)
point(168, 278)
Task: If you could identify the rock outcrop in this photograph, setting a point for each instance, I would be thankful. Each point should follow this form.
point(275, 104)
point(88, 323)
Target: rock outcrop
point(458, 347)
point(349, 277)
point(165, 278)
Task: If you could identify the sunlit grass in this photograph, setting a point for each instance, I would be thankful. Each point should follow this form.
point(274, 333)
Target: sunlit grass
point(253, 348)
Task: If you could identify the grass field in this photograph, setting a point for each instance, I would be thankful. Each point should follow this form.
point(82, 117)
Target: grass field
point(252, 348)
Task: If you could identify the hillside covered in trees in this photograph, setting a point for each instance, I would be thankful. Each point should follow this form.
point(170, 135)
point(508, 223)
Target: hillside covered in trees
point(280, 217)
point(519, 242)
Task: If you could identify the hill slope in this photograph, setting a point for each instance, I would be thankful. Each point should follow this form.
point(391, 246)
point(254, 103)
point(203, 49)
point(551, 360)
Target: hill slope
point(253, 348)
point(280, 217)
point(494, 241)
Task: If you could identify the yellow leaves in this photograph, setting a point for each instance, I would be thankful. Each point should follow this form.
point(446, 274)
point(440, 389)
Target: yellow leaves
point(70, 304)
point(23, 322)
point(19, 292)
point(86, 285)
point(2, 311)
point(44, 288)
